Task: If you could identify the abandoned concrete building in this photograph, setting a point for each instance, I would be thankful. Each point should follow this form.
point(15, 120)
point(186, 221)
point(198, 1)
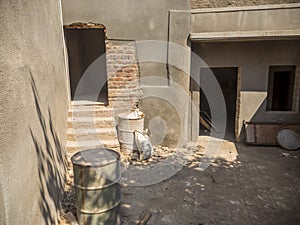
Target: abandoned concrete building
point(154, 54)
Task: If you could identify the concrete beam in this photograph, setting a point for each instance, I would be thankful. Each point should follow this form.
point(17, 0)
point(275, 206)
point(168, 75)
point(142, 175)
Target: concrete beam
point(246, 35)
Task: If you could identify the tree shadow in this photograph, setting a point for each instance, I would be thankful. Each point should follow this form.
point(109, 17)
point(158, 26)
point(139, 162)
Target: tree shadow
point(51, 159)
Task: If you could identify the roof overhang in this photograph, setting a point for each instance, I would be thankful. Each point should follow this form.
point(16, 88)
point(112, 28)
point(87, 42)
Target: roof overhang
point(255, 23)
point(245, 35)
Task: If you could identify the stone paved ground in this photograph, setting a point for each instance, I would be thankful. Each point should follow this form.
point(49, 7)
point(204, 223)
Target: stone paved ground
point(245, 185)
point(261, 186)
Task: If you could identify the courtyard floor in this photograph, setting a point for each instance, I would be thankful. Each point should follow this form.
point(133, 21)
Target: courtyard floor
point(242, 185)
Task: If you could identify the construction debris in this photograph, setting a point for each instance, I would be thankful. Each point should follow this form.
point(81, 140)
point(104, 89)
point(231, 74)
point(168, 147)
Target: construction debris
point(160, 153)
point(72, 218)
point(89, 25)
point(68, 205)
point(206, 121)
point(145, 218)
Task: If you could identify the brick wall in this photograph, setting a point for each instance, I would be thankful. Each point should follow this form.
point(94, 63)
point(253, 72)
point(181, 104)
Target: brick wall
point(195, 4)
point(123, 75)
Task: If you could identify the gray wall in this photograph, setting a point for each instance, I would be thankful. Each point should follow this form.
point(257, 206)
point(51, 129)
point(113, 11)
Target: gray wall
point(253, 19)
point(254, 59)
point(125, 19)
point(33, 113)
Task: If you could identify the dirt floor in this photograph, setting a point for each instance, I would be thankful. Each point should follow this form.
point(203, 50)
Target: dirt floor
point(242, 185)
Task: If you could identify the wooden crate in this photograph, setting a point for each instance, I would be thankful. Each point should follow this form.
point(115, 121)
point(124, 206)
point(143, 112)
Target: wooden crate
point(265, 133)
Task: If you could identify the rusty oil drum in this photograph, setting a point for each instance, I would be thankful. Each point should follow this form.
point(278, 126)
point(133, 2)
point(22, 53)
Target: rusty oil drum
point(97, 187)
point(126, 128)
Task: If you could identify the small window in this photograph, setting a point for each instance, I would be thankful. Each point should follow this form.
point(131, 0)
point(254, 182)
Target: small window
point(281, 88)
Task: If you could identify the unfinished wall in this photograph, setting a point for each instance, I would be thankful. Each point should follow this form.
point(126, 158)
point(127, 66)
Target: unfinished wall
point(33, 113)
point(123, 75)
point(125, 19)
point(254, 59)
point(162, 22)
point(196, 4)
point(247, 21)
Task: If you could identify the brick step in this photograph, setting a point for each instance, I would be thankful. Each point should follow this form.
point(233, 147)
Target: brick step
point(86, 102)
point(74, 146)
point(90, 111)
point(90, 122)
point(91, 134)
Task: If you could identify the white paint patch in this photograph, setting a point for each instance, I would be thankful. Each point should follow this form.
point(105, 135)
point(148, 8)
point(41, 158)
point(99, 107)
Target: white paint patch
point(151, 24)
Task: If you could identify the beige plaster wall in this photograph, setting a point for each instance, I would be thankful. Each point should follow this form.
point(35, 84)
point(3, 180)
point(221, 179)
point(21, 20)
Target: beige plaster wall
point(254, 59)
point(33, 101)
point(252, 19)
point(153, 25)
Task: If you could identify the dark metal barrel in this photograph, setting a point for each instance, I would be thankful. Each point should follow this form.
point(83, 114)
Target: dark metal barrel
point(97, 187)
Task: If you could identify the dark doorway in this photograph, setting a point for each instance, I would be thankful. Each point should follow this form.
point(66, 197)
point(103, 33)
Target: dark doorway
point(227, 79)
point(86, 46)
point(281, 88)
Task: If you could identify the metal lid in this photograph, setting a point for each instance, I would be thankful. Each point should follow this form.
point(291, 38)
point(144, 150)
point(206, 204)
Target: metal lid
point(131, 116)
point(288, 139)
point(95, 157)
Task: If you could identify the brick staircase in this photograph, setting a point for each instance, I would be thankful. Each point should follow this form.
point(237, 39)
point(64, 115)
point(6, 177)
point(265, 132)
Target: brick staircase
point(91, 126)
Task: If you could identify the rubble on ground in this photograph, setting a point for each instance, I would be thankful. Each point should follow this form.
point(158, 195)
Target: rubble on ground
point(68, 211)
point(160, 153)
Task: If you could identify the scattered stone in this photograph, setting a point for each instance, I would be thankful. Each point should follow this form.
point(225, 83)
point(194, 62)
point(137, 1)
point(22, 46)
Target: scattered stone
point(72, 218)
point(249, 203)
point(168, 219)
point(153, 210)
point(285, 154)
point(188, 199)
point(213, 180)
point(234, 202)
point(260, 197)
point(160, 153)
point(188, 191)
point(145, 218)
point(68, 204)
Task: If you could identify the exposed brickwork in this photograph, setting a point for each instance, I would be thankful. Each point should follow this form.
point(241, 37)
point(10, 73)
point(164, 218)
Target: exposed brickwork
point(123, 74)
point(196, 4)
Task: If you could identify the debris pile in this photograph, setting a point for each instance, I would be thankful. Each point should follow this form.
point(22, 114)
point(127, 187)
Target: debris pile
point(80, 25)
point(68, 211)
point(160, 153)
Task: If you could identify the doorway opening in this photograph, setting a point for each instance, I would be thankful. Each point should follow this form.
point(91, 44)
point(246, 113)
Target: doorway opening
point(227, 78)
point(281, 88)
point(86, 51)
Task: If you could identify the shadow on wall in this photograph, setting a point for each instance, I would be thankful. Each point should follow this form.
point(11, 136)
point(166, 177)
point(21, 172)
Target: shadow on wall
point(2, 205)
point(261, 114)
point(51, 159)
